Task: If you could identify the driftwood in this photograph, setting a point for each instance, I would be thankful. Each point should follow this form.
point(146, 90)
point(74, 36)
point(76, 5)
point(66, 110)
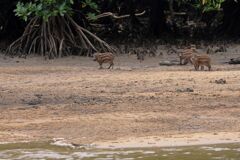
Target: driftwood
point(234, 61)
point(113, 15)
point(168, 63)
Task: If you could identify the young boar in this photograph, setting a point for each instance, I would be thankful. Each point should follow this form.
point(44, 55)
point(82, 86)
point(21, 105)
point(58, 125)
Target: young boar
point(106, 57)
point(186, 55)
point(201, 60)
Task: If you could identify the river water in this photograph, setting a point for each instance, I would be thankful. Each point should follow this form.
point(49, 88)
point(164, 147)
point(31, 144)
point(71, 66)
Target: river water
point(41, 151)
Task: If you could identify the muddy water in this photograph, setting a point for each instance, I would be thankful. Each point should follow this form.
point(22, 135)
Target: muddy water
point(48, 151)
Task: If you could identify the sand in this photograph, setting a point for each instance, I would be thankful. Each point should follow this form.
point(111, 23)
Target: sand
point(71, 98)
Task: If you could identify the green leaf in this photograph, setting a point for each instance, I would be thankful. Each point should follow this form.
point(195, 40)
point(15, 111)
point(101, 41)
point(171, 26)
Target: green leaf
point(43, 8)
point(92, 16)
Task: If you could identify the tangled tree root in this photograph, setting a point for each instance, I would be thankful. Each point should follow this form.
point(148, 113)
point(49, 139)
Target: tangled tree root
point(59, 36)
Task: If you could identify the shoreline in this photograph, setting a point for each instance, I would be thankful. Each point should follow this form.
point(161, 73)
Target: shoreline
point(178, 140)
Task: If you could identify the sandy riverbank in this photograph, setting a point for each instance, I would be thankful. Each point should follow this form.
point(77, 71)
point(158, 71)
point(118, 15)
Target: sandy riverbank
point(70, 98)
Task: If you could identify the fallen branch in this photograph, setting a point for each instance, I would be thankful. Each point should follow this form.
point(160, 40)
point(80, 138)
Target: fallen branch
point(113, 15)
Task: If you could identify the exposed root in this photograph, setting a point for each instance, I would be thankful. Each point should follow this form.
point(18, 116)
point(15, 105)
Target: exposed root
point(58, 37)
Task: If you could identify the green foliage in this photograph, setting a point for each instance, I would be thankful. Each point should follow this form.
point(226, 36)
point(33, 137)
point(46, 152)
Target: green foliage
point(209, 5)
point(93, 6)
point(91, 16)
point(43, 8)
point(49, 8)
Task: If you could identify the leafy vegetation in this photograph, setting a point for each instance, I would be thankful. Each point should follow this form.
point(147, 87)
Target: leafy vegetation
point(115, 18)
point(43, 8)
point(209, 5)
